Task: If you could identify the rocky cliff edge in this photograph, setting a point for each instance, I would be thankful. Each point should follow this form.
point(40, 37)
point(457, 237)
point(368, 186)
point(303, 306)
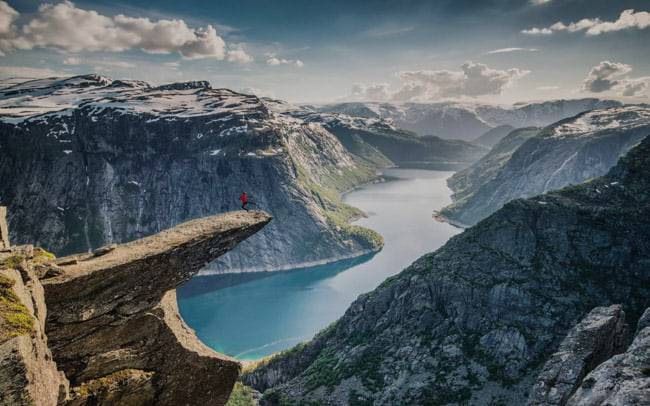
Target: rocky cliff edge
point(104, 328)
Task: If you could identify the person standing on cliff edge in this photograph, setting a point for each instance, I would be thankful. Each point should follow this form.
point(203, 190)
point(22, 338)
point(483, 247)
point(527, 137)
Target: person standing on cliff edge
point(243, 198)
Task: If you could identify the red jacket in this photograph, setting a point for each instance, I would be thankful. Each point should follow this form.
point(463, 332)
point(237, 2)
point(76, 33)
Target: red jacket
point(243, 198)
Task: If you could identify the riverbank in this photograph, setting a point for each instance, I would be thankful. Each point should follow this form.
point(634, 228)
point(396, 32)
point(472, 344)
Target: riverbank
point(289, 307)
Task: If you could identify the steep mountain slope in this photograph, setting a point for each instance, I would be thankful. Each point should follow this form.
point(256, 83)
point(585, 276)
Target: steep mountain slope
point(494, 135)
point(465, 182)
point(474, 321)
point(467, 121)
point(567, 152)
point(88, 161)
point(378, 141)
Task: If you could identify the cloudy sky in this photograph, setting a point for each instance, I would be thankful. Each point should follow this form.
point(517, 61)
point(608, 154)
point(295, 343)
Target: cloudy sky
point(322, 51)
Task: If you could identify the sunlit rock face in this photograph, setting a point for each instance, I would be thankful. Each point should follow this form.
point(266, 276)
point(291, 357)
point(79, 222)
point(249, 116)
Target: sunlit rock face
point(104, 328)
point(476, 320)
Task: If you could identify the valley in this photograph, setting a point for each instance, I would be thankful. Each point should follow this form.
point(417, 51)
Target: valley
point(288, 308)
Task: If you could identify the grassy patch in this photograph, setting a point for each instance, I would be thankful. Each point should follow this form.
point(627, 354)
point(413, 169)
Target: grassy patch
point(338, 213)
point(15, 319)
point(41, 255)
point(241, 395)
point(13, 262)
point(112, 382)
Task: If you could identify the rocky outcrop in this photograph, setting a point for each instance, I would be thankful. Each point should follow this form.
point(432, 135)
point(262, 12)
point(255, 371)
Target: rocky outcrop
point(623, 379)
point(565, 153)
point(599, 336)
point(87, 162)
point(109, 321)
point(475, 321)
point(28, 375)
point(117, 312)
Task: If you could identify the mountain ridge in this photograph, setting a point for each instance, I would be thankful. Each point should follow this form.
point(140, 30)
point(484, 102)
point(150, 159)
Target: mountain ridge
point(475, 320)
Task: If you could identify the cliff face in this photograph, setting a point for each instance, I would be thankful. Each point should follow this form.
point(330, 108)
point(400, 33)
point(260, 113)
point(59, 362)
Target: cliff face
point(466, 182)
point(475, 321)
point(600, 335)
point(623, 379)
point(110, 323)
point(88, 161)
point(565, 153)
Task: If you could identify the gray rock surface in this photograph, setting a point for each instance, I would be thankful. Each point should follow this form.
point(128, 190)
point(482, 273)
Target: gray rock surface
point(475, 321)
point(599, 336)
point(622, 380)
point(28, 375)
point(565, 153)
point(113, 161)
point(113, 319)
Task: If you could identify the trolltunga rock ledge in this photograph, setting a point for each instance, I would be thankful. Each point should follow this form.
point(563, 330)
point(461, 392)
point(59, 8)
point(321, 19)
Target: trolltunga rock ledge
point(113, 324)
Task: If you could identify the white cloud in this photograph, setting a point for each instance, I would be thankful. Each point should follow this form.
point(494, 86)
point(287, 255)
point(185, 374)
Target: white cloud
point(539, 2)
point(29, 72)
point(387, 31)
point(474, 79)
point(72, 60)
point(548, 88)
point(7, 17)
point(605, 76)
point(373, 92)
point(629, 19)
point(507, 50)
point(100, 64)
point(636, 87)
point(66, 27)
point(608, 77)
point(274, 61)
point(239, 55)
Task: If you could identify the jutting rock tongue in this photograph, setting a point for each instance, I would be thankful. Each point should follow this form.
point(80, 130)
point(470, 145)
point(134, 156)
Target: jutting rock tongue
point(113, 320)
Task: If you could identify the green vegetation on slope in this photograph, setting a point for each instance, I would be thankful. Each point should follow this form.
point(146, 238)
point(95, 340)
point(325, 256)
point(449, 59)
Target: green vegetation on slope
point(241, 395)
point(338, 213)
point(15, 319)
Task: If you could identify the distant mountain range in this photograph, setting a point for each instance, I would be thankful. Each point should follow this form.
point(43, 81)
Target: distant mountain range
point(378, 139)
point(476, 321)
point(527, 163)
point(467, 121)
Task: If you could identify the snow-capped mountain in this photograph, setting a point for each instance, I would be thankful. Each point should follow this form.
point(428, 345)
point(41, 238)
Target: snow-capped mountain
point(565, 153)
point(467, 121)
point(87, 161)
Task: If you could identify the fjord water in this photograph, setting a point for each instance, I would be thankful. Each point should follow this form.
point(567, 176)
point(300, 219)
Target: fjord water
point(249, 320)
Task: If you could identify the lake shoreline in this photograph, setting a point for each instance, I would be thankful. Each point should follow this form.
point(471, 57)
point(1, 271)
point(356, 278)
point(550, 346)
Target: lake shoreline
point(252, 315)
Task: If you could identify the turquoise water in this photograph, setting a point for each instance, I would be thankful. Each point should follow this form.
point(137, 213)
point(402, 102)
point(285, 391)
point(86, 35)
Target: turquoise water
point(249, 319)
